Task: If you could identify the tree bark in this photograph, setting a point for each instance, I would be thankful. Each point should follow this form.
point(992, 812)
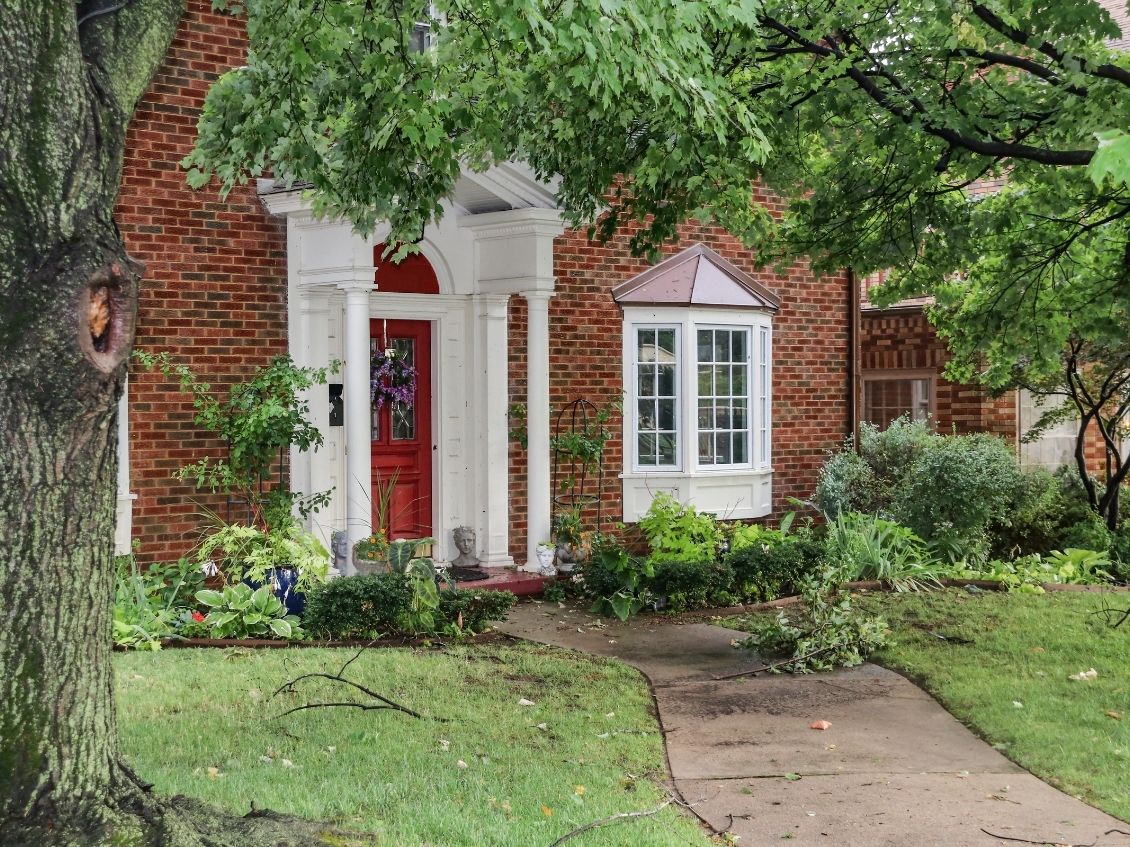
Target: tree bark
point(67, 301)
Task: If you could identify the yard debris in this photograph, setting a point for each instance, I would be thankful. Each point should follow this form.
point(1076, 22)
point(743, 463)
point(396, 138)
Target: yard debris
point(444, 745)
point(213, 773)
point(525, 702)
point(1110, 713)
point(1016, 704)
point(821, 725)
point(1085, 676)
point(461, 764)
point(542, 726)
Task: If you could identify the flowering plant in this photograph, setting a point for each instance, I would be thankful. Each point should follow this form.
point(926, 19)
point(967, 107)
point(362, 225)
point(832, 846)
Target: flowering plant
point(391, 378)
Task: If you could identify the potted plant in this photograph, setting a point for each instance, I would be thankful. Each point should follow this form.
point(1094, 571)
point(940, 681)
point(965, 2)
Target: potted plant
point(568, 536)
point(285, 556)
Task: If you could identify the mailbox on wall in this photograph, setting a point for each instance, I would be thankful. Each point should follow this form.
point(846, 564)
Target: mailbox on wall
point(337, 405)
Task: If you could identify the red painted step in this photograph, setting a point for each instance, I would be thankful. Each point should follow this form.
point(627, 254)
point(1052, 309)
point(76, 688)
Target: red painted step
point(522, 583)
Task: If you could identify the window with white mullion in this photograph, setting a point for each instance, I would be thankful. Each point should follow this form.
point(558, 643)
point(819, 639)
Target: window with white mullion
point(657, 397)
point(723, 425)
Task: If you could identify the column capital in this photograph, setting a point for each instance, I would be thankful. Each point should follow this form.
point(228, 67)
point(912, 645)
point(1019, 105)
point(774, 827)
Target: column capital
point(537, 295)
point(362, 283)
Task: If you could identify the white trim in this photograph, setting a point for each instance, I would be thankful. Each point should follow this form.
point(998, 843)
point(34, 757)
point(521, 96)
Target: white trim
point(123, 515)
point(735, 490)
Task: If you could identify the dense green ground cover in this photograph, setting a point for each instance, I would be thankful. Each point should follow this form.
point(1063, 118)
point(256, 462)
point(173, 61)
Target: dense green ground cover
point(199, 722)
point(1008, 649)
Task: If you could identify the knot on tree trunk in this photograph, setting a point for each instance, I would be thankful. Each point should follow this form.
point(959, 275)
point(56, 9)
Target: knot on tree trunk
point(106, 314)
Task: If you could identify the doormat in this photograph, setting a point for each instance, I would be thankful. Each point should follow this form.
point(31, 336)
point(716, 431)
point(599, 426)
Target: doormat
point(461, 574)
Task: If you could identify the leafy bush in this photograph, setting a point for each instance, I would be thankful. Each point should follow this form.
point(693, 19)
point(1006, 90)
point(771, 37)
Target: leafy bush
point(847, 484)
point(773, 565)
point(617, 580)
point(250, 552)
point(374, 605)
point(141, 615)
point(826, 632)
point(1120, 554)
point(358, 606)
point(677, 532)
point(1028, 574)
point(693, 585)
point(955, 490)
point(949, 489)
point(239, 612)
point(1034, 520)
point(867, 547)
point(467, 610)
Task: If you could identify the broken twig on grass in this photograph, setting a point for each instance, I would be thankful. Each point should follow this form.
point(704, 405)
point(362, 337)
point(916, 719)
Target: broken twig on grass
point(617, 818)
point(383, 703)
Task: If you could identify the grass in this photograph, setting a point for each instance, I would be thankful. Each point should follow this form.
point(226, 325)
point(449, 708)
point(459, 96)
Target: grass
point(1024, 647)
point(199, 722)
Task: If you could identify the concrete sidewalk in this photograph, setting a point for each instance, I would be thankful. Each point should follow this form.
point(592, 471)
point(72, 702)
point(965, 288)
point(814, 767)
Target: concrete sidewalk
point(894, 768)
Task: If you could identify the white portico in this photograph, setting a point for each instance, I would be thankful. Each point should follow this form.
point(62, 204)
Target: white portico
point(495, 241)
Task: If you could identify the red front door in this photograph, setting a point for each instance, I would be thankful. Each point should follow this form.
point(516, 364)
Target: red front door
point(402, 437)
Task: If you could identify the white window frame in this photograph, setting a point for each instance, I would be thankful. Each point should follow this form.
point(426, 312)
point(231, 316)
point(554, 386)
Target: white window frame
point(741, 490)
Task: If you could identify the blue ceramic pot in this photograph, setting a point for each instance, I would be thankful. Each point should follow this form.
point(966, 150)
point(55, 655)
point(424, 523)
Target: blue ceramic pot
point(283, 579)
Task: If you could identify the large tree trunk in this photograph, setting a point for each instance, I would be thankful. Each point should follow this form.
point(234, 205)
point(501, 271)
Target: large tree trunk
point(67, 300)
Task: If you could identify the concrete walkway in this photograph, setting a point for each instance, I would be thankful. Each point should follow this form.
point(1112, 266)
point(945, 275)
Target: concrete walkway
point(894, 768)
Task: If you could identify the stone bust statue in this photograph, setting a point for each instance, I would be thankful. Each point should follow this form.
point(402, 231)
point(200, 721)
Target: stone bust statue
point(465, 543)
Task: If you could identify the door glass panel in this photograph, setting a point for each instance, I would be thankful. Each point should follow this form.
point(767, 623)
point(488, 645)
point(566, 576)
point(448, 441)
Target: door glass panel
point(404, 414)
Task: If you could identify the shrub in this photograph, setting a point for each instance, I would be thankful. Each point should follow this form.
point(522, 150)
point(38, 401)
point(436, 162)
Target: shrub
point(772, 566)
point(955, 490)
point(1034, 520)
point(1120, 554)
point(358, 606)
point(468, 610)
point(375, 605)
point(693, 585)
point(1029, 573)
point(616, 579)
point(827, 631)
point(867, 547)
point(847, 483)
point(677, 532)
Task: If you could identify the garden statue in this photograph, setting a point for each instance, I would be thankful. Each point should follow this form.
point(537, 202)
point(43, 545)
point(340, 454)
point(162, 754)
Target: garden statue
point(465, 544)
point(339, 546)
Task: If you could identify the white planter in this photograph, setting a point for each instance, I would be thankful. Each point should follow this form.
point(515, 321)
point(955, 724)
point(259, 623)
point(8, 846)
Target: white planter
point(545, 554)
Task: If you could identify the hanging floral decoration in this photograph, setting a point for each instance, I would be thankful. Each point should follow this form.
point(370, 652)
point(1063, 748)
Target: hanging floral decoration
point(391, 378)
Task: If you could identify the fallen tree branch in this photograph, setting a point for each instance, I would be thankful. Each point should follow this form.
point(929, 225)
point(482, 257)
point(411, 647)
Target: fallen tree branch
point(1052, 843)
point(774, 666)
point(617, 818)
point(385, 702)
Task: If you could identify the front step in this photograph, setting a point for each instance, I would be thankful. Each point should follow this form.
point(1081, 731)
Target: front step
point(521, 583)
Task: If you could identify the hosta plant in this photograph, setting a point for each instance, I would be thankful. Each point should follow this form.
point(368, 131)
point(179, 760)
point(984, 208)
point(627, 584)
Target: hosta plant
point(239, 612)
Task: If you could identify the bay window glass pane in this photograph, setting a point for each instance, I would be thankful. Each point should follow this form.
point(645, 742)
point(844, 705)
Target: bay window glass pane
point(656, 396)
point(723, 396)
point(705, 345)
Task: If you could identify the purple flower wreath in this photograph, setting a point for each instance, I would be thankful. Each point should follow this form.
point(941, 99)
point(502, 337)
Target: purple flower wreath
point(391, 379)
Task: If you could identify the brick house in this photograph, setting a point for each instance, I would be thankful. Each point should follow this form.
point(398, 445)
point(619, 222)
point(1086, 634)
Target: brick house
point(734, 380)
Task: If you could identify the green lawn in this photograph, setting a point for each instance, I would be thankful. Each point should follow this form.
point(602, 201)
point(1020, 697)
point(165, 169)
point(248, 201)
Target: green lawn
point(198, 722)
point(1024, 649)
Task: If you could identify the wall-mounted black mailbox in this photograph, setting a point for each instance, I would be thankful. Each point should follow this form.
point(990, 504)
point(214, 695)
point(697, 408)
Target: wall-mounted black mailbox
point(337, 405)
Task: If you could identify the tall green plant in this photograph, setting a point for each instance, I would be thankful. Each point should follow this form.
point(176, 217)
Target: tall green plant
point(675, 531)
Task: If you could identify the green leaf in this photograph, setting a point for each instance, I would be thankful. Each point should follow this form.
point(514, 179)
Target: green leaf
point(210, 598)
point(281, 628)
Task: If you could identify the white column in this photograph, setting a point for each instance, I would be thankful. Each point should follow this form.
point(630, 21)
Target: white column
point(494, 492)
point(537, 422)
point(358, 438)
point(123, 519)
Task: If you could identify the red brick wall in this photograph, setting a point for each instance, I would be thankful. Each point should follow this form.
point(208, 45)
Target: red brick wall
point(214, 293)
point(810, 359)
point(904, 340)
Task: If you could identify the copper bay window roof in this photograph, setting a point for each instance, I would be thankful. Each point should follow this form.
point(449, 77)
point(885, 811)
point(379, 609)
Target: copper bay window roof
point(696, 276)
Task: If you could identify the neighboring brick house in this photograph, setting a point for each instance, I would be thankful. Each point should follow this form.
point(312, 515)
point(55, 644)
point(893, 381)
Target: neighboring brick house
point(901, 373)
point(735, 381)
point(902, 359)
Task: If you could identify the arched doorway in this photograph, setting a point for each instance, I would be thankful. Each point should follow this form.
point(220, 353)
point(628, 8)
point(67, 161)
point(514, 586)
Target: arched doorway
point(401, 439)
